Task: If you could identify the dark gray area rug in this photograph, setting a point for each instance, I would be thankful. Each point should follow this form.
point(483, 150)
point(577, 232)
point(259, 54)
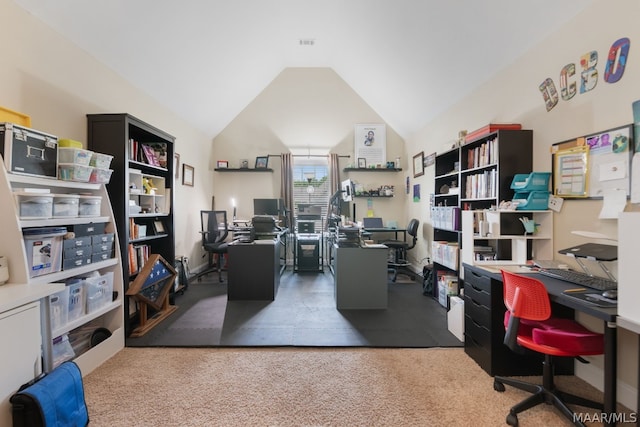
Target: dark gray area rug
point(303, 314)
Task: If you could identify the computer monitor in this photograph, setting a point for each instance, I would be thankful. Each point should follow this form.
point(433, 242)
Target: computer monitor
point(347, 190)
point(272, 207)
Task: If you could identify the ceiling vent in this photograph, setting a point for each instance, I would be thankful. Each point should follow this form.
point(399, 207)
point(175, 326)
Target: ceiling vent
point(306, 42)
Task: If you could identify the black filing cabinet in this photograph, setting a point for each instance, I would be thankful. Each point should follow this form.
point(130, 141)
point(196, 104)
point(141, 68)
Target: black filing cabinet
point(484, 329)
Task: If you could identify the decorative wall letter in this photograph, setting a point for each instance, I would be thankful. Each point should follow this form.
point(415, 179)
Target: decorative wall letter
point(589, 75)
point(616, 60)
point(567, 90)
point(549, 93)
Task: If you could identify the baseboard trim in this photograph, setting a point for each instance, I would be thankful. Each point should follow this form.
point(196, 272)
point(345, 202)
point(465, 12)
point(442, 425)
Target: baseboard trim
point(625, 393)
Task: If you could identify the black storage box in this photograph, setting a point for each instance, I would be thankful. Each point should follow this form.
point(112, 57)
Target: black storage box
point(29, 152)
point(90, 229)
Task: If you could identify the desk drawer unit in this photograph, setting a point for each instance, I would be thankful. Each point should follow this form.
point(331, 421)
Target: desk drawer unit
point(484, 328)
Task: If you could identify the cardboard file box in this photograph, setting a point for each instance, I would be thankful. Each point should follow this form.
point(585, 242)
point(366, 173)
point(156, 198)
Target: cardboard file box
point(28, 152)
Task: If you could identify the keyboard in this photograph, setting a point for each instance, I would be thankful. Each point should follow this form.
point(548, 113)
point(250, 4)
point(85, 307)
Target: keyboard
point(580, 279)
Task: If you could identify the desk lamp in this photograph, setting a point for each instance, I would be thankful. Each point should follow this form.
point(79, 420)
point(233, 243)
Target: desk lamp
point(233, 203)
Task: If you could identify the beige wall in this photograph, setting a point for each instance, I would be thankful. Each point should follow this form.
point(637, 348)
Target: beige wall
point(512, 96)
point(307, 110)
point(57, 84)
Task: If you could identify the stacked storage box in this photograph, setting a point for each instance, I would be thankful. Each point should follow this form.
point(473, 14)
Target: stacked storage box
point(89, 244)
point(531, 191)
point(77, 164)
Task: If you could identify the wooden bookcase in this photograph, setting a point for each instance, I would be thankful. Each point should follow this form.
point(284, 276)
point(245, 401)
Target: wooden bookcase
point(123, 136)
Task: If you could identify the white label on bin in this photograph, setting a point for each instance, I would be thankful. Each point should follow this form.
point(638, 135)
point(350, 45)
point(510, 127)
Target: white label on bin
point(41, 254)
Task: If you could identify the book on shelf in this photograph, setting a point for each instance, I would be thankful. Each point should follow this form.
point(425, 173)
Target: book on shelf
point(138, 256)
point(482, 155)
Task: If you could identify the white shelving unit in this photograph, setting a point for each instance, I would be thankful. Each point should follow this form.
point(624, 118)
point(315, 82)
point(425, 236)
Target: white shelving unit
point(151, 202)
point(507, 237)
point(110, 316)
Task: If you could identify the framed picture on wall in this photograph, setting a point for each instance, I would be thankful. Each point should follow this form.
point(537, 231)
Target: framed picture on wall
point(418, 164)
point(187, 174)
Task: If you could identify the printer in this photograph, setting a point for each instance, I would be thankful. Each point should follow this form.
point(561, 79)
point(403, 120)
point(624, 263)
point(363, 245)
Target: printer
point(264, 224)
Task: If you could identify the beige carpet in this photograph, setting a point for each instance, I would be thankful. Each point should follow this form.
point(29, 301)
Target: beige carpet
point(304, 387)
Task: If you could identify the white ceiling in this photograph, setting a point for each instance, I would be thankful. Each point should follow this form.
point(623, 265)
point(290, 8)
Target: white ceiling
point(208, 59)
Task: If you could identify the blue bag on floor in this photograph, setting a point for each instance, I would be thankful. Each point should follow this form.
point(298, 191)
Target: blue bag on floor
point(53, 400)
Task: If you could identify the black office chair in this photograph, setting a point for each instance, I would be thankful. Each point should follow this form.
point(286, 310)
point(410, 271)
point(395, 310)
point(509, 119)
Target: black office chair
point(400, 248)
point(214, 230)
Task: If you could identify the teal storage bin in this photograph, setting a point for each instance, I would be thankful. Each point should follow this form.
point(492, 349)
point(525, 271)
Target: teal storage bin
point(534, 181)
point(532, 201)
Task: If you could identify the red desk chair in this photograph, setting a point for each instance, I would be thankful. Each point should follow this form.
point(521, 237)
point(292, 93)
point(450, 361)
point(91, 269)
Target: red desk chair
point(529, 325)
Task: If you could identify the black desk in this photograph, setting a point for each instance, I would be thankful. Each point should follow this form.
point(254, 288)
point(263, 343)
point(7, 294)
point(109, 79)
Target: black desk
point(555, 288)
point(282, 235)
point(388, 230)
point(253, 270)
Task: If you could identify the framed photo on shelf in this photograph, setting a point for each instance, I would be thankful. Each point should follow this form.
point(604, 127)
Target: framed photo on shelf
point(158, 227)
point(418, 164)
point(222, 164)
point(261, 162)
point(362, 162)
point(187, 174)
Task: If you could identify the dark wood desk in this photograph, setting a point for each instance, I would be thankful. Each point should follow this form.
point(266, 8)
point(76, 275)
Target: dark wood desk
point(253, 272)
point(555, 288)
point(388, 230)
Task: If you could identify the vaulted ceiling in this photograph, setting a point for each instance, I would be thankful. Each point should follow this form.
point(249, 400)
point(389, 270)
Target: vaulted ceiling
point(208, 59)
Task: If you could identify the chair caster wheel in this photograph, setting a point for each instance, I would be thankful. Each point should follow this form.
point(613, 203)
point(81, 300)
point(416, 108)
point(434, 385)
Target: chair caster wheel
point(498, 386)
point(512, 420)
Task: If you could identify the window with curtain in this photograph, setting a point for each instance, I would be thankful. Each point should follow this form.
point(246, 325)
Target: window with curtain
point(311, 184)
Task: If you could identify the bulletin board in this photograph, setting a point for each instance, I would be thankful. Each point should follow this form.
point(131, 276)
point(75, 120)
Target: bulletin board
point(601, 160)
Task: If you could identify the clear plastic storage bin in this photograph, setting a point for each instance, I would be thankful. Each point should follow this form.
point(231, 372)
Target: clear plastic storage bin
point(99, 160)
point(34, 205)
point(76, 299)
point(74, 155)
point(74, 172)
point(65, 205)
point(44, 249)
point(99, 291)
point(100, 176)
point(90, 206)
point(59, 309)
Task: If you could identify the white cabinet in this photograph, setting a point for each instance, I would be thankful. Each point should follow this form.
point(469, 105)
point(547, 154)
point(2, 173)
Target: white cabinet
point(20, 358)
point(503, 239)
point(12, 246)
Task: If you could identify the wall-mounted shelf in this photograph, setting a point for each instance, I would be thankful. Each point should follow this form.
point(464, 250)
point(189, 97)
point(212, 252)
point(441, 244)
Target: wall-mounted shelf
point(243, 170)
point(372, 196)
point(371, 169)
